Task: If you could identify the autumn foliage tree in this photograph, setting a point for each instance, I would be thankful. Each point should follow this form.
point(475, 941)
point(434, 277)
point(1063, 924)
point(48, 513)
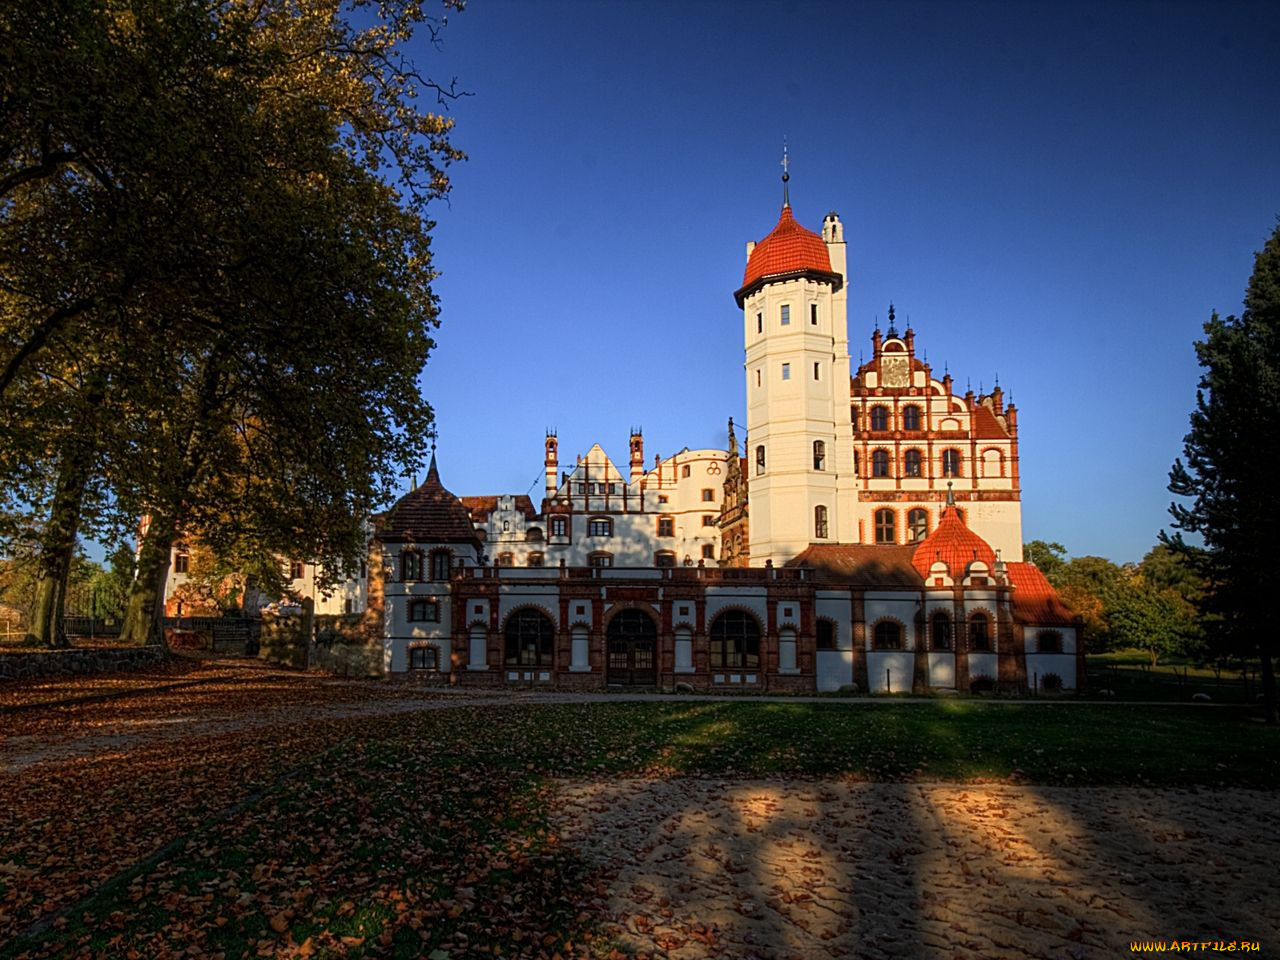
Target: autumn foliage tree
point(1227, 475)
point(215, 274)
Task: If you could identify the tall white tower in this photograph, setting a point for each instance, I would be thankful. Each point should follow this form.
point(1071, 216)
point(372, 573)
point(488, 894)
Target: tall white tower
point(799, 437)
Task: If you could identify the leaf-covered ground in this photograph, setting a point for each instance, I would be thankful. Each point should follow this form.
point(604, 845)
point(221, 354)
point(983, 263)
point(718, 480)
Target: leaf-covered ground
point(263, 814)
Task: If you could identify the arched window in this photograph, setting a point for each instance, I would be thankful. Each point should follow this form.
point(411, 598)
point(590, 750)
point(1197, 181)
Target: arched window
point(885, 524)
point(529, 635)
point(600, 527)
point(410, 565)
point(979, 632)
point(887, 635)
point(506, 559)
point(1049, 641)
point(992, 463)
point(735, 641)
point(879, 418)
point(536, 560)
point(820, 522)
point(664, 558)
point(600, 559)
point(880, 463)
point(440, 564)
point(940, 632)
point(819, 455)
point(826, 635)
point(951, 463)
point(911, 463)
point(917, 525)
point(760, 460)
point(533, 535)
point(911, 417)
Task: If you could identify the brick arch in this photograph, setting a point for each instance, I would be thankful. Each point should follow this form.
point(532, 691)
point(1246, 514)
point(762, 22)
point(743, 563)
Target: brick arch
point(741, 608)
point(546, 611)
point(902, 632)
point(642, 605)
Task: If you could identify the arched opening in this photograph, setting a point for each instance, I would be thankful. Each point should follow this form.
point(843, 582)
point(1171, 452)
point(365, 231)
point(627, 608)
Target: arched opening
point(529, 638)
point(887, 635)
point(940, 632)
point(979, 632)
point(735, 641)
point(632, 639)
point(917, 525)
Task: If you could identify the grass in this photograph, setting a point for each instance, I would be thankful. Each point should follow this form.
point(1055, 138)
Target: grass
point(1130, 676)
point(428, 834)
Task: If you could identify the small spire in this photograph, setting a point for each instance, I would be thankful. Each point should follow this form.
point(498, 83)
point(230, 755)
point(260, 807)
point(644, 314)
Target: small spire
point(951, 495)
point(786, 174)
point(893, 332)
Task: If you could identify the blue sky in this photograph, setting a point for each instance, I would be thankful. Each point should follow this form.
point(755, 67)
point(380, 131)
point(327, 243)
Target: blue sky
point(1059, 194)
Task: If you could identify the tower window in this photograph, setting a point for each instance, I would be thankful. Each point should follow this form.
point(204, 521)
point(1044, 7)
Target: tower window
point(820, 522)
point(880, 463)
point(757, 377)
point(885, 524)
point(759, 323)
point(911, 463)
point(708, 551)
point(708, 495)
point(917, 525)
point(857, 465)
point(819, 455)
point(817, 367)
point(786, 314)
point(879, 418)
point(951, 463)
point(760, 460)
point(813, 314)
point(911, 417)
point(686, 471)
point(786, 371)
point(708, 520)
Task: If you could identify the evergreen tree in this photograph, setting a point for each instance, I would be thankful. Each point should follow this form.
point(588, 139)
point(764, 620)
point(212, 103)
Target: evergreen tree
point(1228, 472)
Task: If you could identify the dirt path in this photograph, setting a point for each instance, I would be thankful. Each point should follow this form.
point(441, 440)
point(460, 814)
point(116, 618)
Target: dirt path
point(704, 867)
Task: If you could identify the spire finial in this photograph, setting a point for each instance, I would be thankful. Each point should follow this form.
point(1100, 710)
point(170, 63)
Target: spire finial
point(951, 496)
point(786, 174)
point(893, 330)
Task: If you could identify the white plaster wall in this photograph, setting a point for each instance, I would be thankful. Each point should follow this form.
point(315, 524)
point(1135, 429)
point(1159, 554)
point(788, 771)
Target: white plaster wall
point(983, 664)
point(896, 606)
point(942, 670)
point(834, 669)
point(838, 608)
point(1063, 664)
point(544, 597)
point(742, 598)
point(899, 663)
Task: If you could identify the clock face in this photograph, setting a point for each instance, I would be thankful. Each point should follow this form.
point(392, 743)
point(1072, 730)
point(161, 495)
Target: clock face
point(894, 371)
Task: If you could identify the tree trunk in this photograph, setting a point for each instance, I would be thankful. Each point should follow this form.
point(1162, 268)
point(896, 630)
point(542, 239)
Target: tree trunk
point(58, 543)
point(146, 595)
point(1268, 686)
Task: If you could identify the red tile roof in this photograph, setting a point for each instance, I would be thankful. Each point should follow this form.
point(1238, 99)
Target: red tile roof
point(429, 514)
point(954, 544)
point(1034, 599)
point(863, 564)
point(986, 426)
point(481, 507)
point(789, 249)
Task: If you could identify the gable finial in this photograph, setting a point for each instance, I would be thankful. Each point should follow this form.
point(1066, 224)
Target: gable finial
point(951, 496)
point(786, 174)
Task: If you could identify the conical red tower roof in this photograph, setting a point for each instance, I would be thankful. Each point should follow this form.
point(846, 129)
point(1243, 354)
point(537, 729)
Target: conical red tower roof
point(788, 251)
point(954, 544)
point(429, 514)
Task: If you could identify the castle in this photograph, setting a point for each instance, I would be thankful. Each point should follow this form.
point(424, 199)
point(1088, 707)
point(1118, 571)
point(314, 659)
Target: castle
point(867, 535)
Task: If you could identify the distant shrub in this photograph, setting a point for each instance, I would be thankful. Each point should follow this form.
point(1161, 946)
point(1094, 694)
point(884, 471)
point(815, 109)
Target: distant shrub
point(982, 684)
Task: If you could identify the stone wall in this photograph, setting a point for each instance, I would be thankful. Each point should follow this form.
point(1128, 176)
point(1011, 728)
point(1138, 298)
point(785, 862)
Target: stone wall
point(283, 642)
point(49, 663)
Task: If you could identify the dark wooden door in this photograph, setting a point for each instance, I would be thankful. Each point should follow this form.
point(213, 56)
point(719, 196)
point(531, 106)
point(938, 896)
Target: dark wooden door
point(632, 640)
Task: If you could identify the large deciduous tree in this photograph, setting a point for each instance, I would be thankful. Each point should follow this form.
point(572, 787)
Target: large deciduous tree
point(214, 271)
point(1227, 471)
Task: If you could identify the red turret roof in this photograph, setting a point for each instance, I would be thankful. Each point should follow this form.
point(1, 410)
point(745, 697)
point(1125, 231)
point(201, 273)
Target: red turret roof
point(954, 544)
point(789, 250)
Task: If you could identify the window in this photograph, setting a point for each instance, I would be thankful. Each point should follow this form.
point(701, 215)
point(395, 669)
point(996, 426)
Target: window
point(708, 551)
point(786, 314)
point(708, 496)
point(813, 314)
point(759, 323)
point(757, 376)
point(424, 611)
point(582, 488)
point(887, 635)
point(348, 605)
point(529, 635)
point(917, 525)
point(666, 526)
point(826, 635)
point(735, 641)
point(364, 569)
point(880, 463)
point(410, 565)
point(940, 632)
point(1049, 641)
point(760, 460)
point(506, 559)
point(600, 527)
point(708, 520)
point(297, 570)
point(664, 558)
point(600, 559)
point(559, 526)
point(662, 498)
point(979, 632)
point(820, 522)
point(181, 559)
point(685, 470)
point(533, 535)
point(857, 464)
point(440, 564)
point(424, 658)
point(819, 455)
point(951, 463)
point(911, 463)
point(536, 560)
point(816, 371)
point(992, 463)
point(879, 418)
point(911, 417)
point(885, 523)
point(786, 371)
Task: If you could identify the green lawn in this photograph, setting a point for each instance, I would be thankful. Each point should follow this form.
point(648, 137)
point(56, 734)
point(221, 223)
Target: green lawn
point(427, 835)
point(1129, 674)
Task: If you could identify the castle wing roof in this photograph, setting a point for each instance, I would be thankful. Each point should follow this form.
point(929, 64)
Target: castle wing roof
point(1034, 599)
point(481, 507)
point(865, 564)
